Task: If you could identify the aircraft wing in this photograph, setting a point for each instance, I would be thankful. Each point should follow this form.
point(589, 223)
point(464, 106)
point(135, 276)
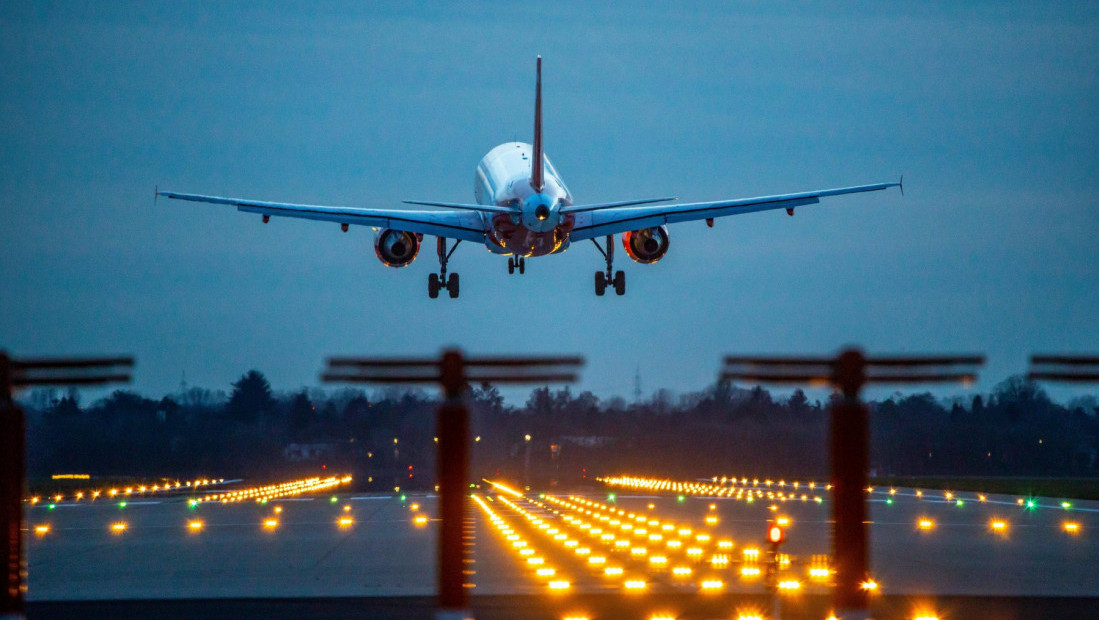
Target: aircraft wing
point(616, 220)
point(464, 225)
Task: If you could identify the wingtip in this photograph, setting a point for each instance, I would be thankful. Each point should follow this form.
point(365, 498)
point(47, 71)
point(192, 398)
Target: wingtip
point(900, 184)
point(156, 193)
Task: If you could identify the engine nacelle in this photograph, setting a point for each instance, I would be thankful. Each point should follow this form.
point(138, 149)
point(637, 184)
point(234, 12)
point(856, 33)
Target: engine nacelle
point(647, 245)
point(396, 248)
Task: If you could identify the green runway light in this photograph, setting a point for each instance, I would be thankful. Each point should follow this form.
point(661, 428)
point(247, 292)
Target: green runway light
point(541, 496)
point(750, 500)
point(192, 503)
point(1066, 505)
point(403, 497)
point(333, 499)
point(1031, 505)
point(52, 506)
point(680, 498)
point(121, 504)
point(889, 500)
point(959, 503)
point(610, 497)
point(819, 500)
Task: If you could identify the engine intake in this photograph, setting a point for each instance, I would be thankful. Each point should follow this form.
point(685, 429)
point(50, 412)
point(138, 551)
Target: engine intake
point(647, 245)
point(396, 248)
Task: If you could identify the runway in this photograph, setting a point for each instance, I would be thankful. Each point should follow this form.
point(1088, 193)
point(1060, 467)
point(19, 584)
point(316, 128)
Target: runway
point(383, 548)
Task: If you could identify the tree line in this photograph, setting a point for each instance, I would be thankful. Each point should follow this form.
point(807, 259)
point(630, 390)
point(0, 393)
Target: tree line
point(385, 438)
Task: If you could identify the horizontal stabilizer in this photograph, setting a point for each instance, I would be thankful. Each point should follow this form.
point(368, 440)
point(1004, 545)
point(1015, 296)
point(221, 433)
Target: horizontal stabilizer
point(466, 207)
point(609, 205)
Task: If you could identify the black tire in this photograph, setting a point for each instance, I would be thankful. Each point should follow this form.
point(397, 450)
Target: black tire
point(452, 286)
point(522, 265)
point(620, 283)
point(511, 265)
point(600, 283)
point(433, 285)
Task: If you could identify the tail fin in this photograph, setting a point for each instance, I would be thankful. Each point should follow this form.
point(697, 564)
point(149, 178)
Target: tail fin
point(537, 179)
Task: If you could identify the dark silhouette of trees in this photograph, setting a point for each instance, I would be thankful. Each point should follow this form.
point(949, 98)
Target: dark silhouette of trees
point(251, 398)
point(386, 439)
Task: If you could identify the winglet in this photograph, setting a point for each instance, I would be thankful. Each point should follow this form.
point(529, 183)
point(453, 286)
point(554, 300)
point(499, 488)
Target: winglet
point(900, 184)
point(537, 180)
point(156, 193)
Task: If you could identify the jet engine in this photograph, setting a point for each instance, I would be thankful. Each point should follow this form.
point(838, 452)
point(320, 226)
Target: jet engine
point(647, 245)
point(396, 248)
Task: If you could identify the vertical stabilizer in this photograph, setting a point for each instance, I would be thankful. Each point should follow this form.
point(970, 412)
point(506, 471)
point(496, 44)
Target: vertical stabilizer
point(537, 179)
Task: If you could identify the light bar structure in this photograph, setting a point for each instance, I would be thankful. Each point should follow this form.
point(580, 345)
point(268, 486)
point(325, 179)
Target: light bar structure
point(1064, 368)
point(22, 373)
point(454, 372)
point(849, 372)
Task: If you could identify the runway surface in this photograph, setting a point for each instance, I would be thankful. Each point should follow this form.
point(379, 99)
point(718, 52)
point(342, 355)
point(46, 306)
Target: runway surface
point(383, 552)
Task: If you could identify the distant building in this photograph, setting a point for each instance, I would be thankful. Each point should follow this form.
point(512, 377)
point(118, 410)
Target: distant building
point(307, 451)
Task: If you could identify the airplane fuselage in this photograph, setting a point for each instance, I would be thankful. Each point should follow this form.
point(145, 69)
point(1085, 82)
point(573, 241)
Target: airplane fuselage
point(537, 228)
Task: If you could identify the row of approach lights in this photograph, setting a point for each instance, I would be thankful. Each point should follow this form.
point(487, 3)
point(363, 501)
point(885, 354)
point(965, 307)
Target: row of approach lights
point(612, 539)
point(754, 488)
point(129, 491)
point(269, 522)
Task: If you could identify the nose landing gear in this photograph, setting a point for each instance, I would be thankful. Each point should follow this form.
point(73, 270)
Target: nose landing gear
point(517, 262)
point(439, 281)
point(609, 277)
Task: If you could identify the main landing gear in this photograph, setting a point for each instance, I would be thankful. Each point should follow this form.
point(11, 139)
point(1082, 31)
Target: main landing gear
point(517, 262)
point(603, 279)
point(439, 281)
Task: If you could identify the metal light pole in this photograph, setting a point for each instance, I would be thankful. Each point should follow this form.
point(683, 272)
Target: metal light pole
point(850, 442)
point(454, 373)
point(15, 374)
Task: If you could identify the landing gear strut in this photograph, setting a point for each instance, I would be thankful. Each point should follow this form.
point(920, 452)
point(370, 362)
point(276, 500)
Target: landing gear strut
point(438, 281)
point(603, 279)
point(517, 262)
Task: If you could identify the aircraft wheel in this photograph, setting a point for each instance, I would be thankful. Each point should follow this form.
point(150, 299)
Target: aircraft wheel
point(452, 286)
point(511, 264)
point(433, 285)
point(600, 283)
point(522, 264)
point(620, 283)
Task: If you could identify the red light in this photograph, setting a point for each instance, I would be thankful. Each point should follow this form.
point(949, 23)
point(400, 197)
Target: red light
point(324, 467)
point(775, 534)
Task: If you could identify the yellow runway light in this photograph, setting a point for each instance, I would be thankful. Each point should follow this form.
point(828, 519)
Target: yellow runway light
point(195, 525)
point(999, 526)
point(681, 571)
point(119, 527)
point(596, 560)
point(612, 571)
point(869, 585)
point(420, 520)
point(545, 572)
point(789, 585)
point(558, 584)
point(1071, 527)
point(345, 522)
point(750, 571)
point(41, 529)
point(271, 523)
point(634, 584)
point(925, 524)
point(712, 585)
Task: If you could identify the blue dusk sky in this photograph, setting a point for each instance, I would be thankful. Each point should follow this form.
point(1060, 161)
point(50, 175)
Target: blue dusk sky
point(990, 110)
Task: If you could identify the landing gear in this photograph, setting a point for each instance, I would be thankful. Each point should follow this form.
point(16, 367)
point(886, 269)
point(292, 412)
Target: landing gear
point(603, 279)
point(517, 262)
point(439, 281)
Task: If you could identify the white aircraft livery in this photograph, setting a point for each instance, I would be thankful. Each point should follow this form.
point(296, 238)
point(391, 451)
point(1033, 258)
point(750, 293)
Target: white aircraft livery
point(522, 209)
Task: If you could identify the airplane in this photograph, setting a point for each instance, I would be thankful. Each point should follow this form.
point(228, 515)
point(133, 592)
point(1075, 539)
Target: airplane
point(524, 209)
